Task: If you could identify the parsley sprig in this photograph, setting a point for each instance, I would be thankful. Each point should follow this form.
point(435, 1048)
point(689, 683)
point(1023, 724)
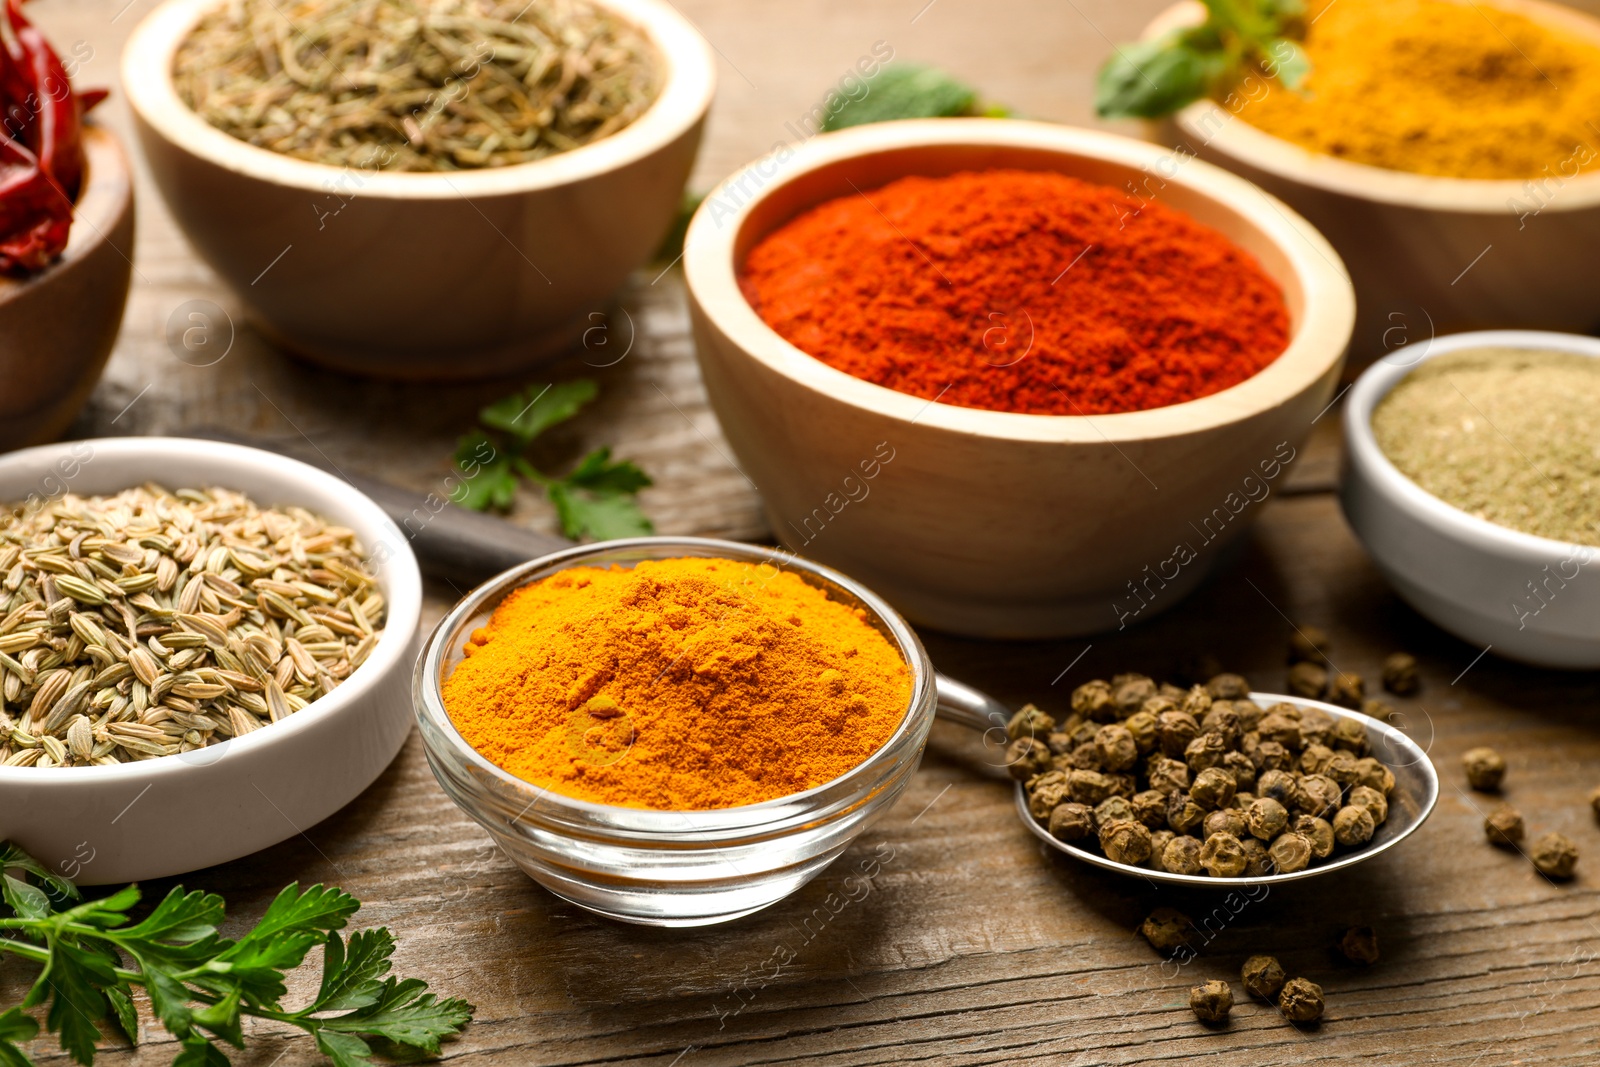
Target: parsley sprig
point(200, 984)
point(595, 498)
point(1149, 79)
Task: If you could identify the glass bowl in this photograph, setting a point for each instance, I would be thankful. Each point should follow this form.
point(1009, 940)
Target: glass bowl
point(669, 868)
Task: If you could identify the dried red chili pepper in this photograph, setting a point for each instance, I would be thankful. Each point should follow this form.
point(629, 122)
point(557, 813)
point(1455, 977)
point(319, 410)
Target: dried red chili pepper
point(41, 146)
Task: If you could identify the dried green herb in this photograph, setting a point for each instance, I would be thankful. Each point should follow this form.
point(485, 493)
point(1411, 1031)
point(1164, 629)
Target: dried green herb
point(202, 985)
point(594, 499)
point(416, 85)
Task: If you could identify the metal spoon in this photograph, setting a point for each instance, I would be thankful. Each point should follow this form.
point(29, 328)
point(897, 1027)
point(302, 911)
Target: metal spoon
point(1416, 787)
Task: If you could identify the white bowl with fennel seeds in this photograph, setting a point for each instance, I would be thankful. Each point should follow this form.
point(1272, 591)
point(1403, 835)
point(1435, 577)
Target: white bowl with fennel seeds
point(471, 271)
point(1508, 445)
point(206, 803)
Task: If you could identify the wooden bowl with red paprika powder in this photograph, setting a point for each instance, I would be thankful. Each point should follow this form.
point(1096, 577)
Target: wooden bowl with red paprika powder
point(1027, 522)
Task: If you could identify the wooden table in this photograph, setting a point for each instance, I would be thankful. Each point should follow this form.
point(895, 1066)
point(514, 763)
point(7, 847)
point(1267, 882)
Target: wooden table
point(976, 945)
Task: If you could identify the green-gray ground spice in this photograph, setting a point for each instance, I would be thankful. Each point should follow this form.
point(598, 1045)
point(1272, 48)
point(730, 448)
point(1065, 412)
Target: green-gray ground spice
point(1508, 435)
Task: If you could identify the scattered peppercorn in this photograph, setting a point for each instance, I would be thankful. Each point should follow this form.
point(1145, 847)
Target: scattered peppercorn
point(1166, 929)
point(1029, 722)
point(1181, 767)
point(1301, 1001)
point(1211, 1002)
point(1360, 945)
point(1309, 680)
point(1263, 977)
point(1504, 827)
point(1400, 674)
point(1382, 710)
point(1594, 801)
point(1485, 769)
point(1346, 690)
point(1555, 855)
point(1309, 644)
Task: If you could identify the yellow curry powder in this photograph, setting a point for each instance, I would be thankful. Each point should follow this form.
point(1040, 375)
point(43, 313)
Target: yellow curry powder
point(681, 684)
point(1463, 90)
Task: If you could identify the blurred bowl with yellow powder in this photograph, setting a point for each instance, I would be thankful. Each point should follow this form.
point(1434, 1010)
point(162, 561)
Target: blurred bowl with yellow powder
point(1449, 150)
point(675, 731)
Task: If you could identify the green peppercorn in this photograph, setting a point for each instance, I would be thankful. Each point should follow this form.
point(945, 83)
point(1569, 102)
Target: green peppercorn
point(1125, 842)
point(1159, 840)
point(1166, 929)
point(1070, 822)
point(1045, 792)
point(1030, 722)
point(1118, 750)
point(1092, 700)
point(1267, 818)
point(1374, 801)
point(1181, 856)
point(1263, 977)
point(1554, 855)
point(1130, 691)
point(1369, 772)
point(1150, 808)
point(1301, 1001)
point(1257, 861)
point(1142, 725)
point(1183, 814)
point(1228, 687)
point(1309, 644)
point(1213, 788)
point(1346, 690)
point(1353, 826)
point(1318, 831)
point(1223, 856)
point(1350, 735)
point(1400, 674)
point(1205, 751)
point(1308, 680)
point(1278, 727)
point(1289, 852)
point(1174, 730)
point(1168, 776)
point(1360, 945)
point(1211, 1002)
point(1504, 827)
point(1026, 757)
point(1089, 787)
point(1485, 769)
point(1226, 821)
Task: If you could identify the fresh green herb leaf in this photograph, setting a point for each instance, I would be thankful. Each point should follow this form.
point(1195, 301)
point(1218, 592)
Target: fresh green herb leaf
point(604, 517)
point(904, 91)
point(525, 416)
point(353, 977)
point(27, 901)
point(1149, 79)
point(595, 499)
point(202, 986)
point(16, 1026)
point(13, 858)
point(122, 1010)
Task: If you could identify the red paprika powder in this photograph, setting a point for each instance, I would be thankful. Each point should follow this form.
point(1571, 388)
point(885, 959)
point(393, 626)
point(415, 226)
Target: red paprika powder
point(1021, 291)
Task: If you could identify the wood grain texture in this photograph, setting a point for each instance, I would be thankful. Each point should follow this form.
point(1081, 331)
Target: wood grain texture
point(975, 945)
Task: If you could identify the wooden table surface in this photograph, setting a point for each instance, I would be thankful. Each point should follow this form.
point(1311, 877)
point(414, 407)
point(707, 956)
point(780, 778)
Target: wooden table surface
point(976, 944)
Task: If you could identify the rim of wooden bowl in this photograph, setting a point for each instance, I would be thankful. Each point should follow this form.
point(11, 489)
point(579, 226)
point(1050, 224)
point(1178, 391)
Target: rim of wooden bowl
point(1208, 123)
point(685, 96)
point(715, 244)
point(106, 196)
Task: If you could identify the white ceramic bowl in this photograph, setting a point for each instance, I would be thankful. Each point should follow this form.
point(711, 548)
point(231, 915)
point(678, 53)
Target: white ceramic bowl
point(1427, 254)
point(993, 523)
point(447, 275)
point(1469, 575)
point(58, 326)
point(175, 814)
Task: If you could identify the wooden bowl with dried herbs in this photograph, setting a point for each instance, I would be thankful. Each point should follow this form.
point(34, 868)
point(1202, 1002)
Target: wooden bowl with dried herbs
point(439, 189)
point(204, 649)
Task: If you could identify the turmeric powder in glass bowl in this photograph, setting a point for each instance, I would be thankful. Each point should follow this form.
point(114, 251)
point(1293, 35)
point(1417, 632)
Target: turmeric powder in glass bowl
point(673, 731)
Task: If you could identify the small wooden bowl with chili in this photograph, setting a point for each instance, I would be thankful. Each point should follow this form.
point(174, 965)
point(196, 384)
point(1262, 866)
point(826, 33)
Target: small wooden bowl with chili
point(1083, 508)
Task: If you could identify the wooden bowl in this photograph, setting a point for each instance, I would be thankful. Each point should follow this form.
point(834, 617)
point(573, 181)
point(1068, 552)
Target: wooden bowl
point(992, 523)
point(459, 275)
point(57, 327)
point(1427, 255)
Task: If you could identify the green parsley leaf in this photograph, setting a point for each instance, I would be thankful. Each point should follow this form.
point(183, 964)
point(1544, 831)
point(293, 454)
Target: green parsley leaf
point(75, 998)
point(406, 1014)
point(1148, 79)
point(352, 978)
point(222, 1019)
point(27, 901)
point(122, 1010)
point(487, 477)
point(597, 473)
point(16, 1026)
point(199, 1052)
point(526, 415)
point(601, 516)
point(345, 1050)
point(903, 91)
point(13, 858)
point(180, 918)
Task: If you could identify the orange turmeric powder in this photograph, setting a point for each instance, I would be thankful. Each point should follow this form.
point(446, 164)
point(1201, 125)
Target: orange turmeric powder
point(679, 684)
